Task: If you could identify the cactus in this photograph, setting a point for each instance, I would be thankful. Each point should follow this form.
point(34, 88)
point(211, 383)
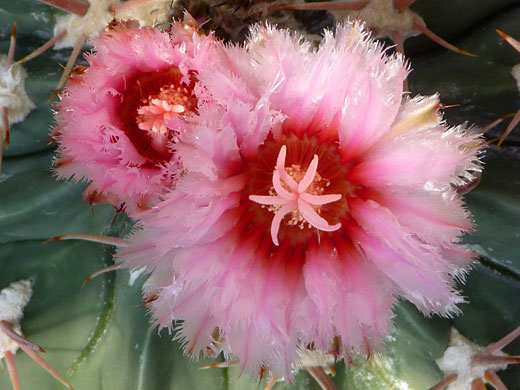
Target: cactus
point(99, 336)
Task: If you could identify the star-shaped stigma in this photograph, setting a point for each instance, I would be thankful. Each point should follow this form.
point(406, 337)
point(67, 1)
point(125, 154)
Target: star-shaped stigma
point(293, 196)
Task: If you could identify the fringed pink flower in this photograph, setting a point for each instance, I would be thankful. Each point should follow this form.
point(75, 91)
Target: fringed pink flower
point(111, 120)
point(315, 195)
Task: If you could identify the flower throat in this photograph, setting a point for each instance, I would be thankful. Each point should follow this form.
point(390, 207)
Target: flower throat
point(149, 101)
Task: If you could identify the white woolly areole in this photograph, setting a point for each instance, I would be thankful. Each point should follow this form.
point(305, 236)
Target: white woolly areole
point(154, 13)
point(12, 91)
point(457, 360)
point(13, 300)
point(315, 358)
point(382, 17)
point(515, 71)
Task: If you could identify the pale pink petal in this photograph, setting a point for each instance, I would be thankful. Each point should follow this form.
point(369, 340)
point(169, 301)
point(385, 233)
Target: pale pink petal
point(433, 158)
point(364, 310)
point(437, 218)
point(420, 273)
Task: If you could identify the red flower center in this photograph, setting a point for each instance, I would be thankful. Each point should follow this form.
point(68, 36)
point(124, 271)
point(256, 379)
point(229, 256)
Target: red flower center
point(298, 188)
point(150, 100)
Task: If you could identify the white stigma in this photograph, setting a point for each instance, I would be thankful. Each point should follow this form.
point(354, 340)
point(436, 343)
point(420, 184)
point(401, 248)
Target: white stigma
point(296, 198)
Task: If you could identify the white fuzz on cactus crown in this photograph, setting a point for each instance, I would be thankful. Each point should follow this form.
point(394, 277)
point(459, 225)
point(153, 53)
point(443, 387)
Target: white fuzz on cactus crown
point(12, 91)
point(13, 300)
point(152, 13)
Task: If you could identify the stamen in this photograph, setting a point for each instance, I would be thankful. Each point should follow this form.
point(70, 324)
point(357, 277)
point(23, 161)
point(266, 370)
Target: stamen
point(156, 110)
point(296, 198)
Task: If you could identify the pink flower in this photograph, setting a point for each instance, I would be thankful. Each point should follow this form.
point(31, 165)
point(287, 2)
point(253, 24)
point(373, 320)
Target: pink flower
point(315, 195)
point(111, 120)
